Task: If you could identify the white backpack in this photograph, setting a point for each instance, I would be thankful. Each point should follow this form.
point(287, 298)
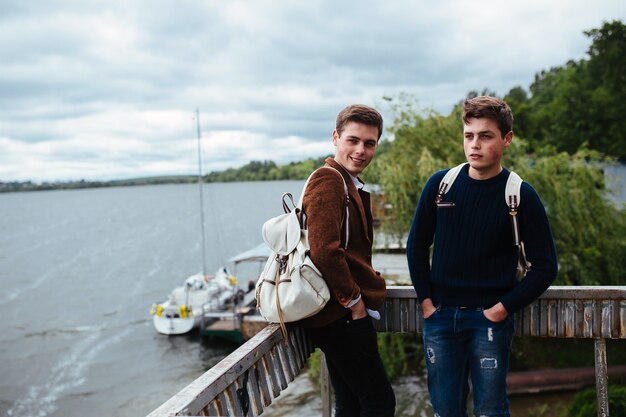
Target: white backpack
point(291, 287)
point(512, 198)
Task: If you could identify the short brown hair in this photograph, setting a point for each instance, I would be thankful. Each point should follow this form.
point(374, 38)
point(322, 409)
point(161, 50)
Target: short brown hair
point(359, 113)
point(491, 108)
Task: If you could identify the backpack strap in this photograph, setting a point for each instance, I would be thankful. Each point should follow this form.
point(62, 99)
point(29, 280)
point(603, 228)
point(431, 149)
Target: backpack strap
point(345, 221)
point(446, 184)
point(512, 197)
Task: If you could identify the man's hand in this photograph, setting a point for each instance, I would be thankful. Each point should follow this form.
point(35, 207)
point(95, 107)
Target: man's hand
point(428, 308)
point(496, 313)
point(358, 310)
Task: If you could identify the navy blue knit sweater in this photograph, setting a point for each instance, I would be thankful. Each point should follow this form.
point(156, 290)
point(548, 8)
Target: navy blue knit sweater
point(474, 258)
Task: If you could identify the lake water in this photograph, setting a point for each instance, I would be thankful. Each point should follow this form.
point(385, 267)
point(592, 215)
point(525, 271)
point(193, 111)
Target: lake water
point(80, 270)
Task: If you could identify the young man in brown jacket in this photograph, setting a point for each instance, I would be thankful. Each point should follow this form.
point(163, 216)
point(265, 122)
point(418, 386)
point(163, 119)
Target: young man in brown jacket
point(343, 330)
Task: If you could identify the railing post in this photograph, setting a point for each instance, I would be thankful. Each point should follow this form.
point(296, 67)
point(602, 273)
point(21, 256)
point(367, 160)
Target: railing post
point(601, 378)
point(325, 386)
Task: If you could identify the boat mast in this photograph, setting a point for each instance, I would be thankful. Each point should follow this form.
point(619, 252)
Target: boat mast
point(201, 195)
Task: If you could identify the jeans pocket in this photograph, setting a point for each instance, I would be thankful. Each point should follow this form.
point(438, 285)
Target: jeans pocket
point(501, 323)
point(434, 313)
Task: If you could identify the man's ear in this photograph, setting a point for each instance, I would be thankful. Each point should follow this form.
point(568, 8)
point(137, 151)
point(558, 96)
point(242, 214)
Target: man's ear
point(508, 138)
point(335, 137)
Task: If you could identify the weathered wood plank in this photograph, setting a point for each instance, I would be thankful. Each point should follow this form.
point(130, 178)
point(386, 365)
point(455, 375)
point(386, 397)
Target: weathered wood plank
point(279, 372)
point(298, 354)
point(607, 319)
point(285, 362)
point(588, 319)
point(325, 387)
point(601, 378)
point(222, 400)
point(265, 384)
point(413, 317)
point(233, 402)
point(622, 315)
point(254, 391)
point(216, 409)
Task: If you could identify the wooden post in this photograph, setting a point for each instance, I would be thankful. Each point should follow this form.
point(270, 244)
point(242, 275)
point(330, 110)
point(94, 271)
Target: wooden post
point(325, 386)
point(601, 378)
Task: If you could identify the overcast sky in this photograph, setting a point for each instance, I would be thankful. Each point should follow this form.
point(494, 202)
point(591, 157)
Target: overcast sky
point(108, 89)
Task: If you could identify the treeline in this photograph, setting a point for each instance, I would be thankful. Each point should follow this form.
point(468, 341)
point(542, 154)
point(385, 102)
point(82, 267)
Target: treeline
point(267, 171)
point(14, 186)
point(253, 171)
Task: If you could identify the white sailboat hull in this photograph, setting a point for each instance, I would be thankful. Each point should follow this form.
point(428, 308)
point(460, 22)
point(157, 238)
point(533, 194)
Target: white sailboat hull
point(175, 326)
point(186, 305)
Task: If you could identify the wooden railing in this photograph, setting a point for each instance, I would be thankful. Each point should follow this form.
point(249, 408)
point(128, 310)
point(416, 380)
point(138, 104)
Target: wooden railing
point(245, 382)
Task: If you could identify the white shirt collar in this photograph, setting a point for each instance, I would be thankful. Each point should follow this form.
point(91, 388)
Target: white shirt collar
point(357, 183)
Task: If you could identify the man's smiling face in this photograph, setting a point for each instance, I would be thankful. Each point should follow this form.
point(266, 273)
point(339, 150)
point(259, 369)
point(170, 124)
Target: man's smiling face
point(356, 146)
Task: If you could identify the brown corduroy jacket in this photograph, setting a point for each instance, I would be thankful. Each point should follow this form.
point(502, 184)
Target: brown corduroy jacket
point(349, 272)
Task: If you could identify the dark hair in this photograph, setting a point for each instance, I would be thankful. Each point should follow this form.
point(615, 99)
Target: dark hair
point(490, 108)
point(359, 113)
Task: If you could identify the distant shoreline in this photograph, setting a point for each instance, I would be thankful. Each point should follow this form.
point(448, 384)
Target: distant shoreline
point(10, 187)
point(15, 186)
point(253, 171)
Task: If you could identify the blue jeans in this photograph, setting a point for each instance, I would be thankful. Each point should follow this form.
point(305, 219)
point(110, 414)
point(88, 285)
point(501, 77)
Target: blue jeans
point(462, 344)
point(355, 368)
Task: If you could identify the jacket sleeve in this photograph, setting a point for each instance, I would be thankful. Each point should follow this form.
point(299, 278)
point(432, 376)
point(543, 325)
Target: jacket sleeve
point(421, 238)
point(324, 206)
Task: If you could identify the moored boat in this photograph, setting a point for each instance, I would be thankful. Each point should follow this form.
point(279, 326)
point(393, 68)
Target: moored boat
point(200, 295)
point(242, 321)
point(187, 305)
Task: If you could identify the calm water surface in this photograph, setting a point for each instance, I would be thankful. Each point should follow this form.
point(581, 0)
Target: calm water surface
point(79, 271)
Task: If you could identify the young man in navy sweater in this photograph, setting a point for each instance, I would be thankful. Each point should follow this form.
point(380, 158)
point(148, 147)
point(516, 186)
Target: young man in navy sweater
point(468, 291)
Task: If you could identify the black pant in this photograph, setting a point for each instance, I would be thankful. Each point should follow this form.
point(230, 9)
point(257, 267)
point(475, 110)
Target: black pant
point(356, 371)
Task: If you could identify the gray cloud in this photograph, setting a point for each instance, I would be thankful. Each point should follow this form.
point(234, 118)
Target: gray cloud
point(107, 89)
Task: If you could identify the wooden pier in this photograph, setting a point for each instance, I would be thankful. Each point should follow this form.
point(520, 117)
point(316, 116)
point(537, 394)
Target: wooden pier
point(235, 327)
point(247, 381)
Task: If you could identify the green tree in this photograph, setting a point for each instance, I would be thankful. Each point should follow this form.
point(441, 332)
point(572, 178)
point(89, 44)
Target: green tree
point(581, 103)
point(607, 77)
point(267, 171)
point(589, 230)
point(517, 98)
point(585, 403)
point(559, 112)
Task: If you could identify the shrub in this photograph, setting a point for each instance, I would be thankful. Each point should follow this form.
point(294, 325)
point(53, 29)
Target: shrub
point(585, 403)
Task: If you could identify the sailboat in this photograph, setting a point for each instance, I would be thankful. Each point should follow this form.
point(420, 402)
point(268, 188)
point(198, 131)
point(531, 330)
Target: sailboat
point(200, 295)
